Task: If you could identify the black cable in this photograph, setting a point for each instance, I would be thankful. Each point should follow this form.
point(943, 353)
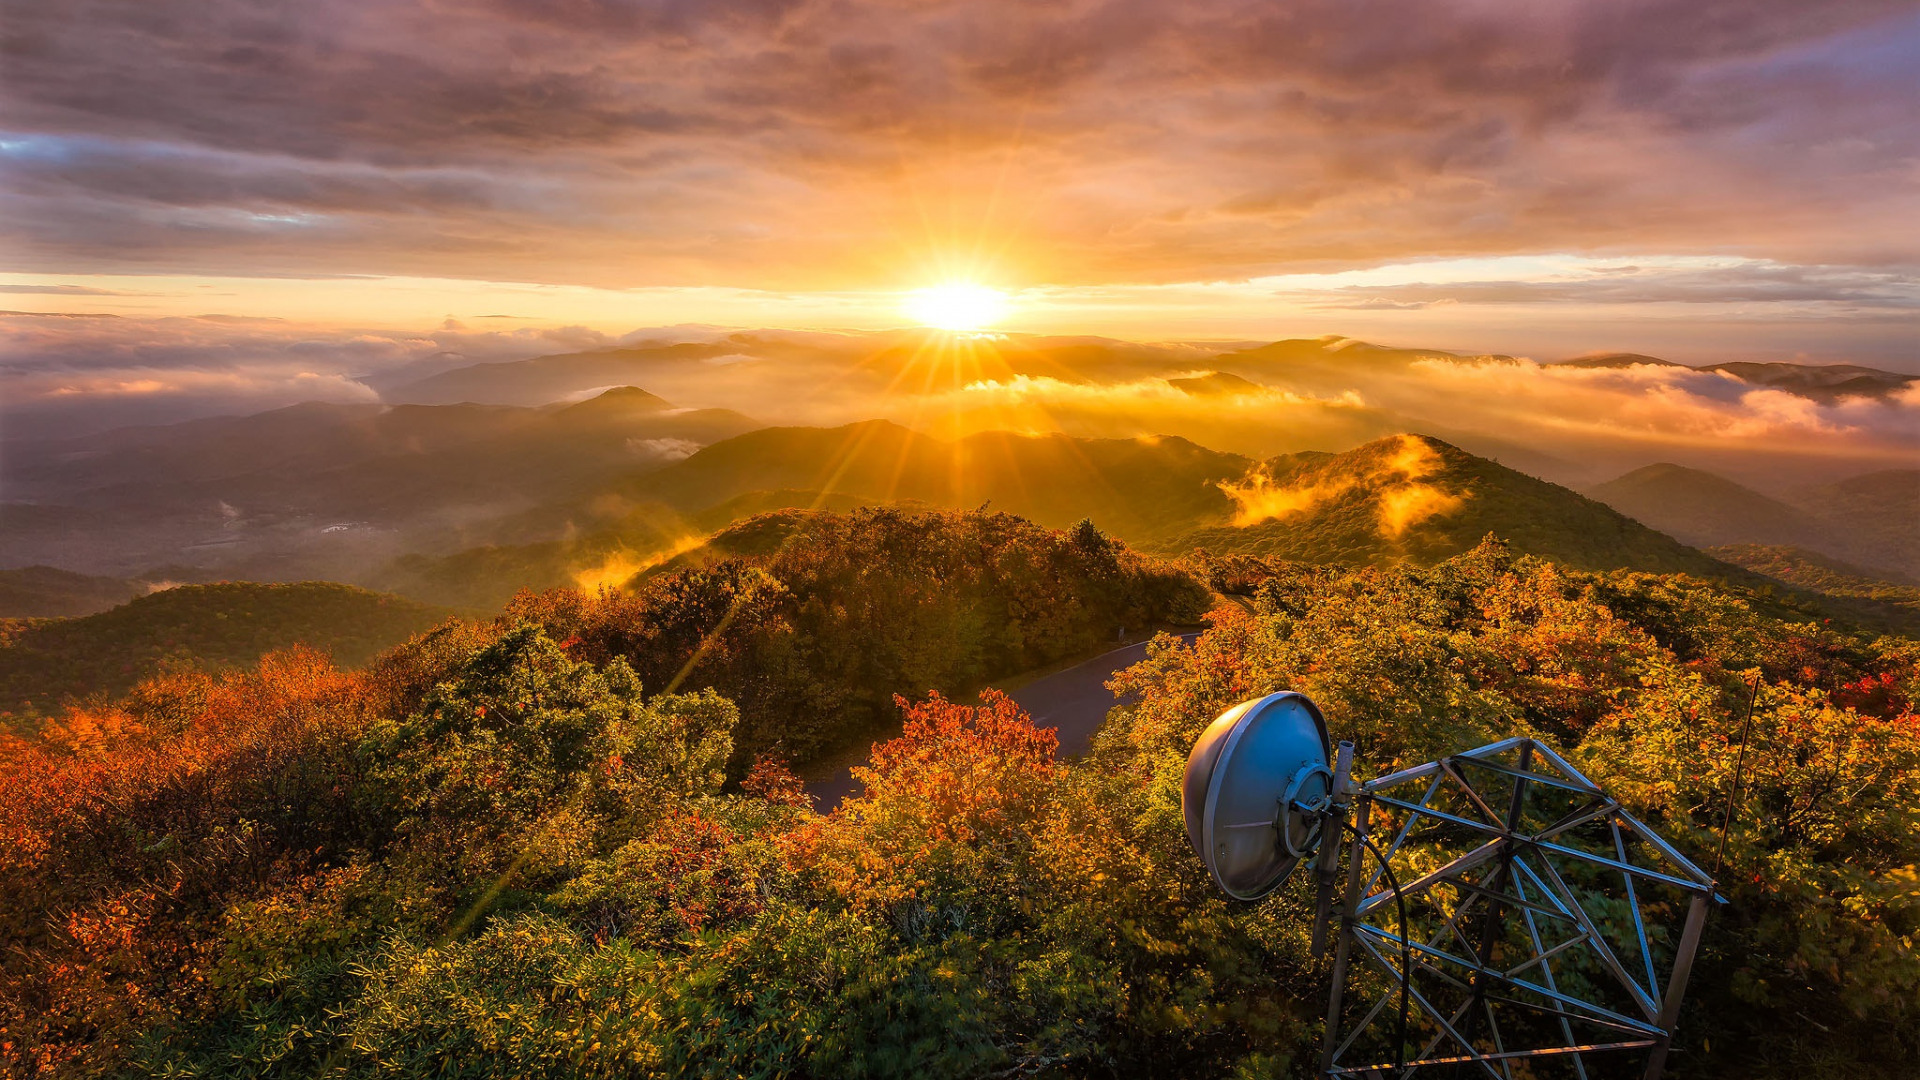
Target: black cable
point(1406, 948)
point(1739, 769)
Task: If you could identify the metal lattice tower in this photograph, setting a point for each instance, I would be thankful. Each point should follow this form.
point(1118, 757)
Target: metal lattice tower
point(1531, 927)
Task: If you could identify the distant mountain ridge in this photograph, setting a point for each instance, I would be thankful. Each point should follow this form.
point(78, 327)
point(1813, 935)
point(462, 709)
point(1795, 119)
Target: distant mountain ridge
point(1825, 383)
point(48, 592)
point(1871, 520)
point(43, 663)
point(1880, 512)
point(1702, 508)
point(884, 354)
point(318, 490)
point(534, 382)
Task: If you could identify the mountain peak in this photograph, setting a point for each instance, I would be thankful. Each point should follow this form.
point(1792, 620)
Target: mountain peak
point(1417, 498)
point(1215, 384)
point(617, 401)
point(1616, 360)
point(1703, 508)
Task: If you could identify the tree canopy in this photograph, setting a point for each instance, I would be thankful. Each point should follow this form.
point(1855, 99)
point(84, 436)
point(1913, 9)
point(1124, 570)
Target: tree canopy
point(551, 846)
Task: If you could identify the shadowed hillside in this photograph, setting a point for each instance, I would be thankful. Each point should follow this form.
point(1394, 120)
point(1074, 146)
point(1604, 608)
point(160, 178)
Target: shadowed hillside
point(812, 620)
point(1880, 513)
point(43, 663)
point(1700, 508)
point(33, 592)
point(1871, 521)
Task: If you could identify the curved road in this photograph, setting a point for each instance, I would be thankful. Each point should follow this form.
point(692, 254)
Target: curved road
point(1073, 701)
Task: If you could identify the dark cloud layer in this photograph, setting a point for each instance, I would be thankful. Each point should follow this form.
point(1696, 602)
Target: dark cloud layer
point(65, 375)
point(815, 143)
point(1835, 291)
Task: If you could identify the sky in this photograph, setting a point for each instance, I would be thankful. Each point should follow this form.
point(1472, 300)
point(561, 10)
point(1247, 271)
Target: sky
point(1704, 180)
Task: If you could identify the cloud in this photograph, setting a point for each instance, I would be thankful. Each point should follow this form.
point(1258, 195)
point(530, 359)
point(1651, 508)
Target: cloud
point(1742, 282)
point(784, 143)
point(64, 375)
point(667, 449)
point(1258, 498)
point(1573, 424)
point(1103, 403)
point(57, 290)
point(1402, 497)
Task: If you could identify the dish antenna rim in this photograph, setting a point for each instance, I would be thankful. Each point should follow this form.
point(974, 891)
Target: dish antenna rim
point(1214, 755)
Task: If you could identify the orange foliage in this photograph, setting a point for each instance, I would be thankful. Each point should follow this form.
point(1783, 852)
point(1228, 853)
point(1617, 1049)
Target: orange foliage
point(124, 829)
point(96, 763)
point(770, 779)
point(949, 807)
point(975, 767)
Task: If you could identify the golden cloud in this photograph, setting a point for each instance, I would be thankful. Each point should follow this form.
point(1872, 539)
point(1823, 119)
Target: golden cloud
point(1403, 497)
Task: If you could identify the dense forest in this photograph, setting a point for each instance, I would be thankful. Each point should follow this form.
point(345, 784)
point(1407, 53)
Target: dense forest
point(565, 841)
point(45, 663)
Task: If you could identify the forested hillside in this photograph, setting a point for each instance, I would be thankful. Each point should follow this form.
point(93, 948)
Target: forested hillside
point(549, 845)
point(48, 592)
point(1859, 595)
point(46, 662)
point(1143, 489)
point(812, 621)
point(1867, 520)
point(1417, 498)
point(1407, 497)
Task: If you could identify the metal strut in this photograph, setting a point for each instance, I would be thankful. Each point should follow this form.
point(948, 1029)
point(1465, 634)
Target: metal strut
point(1521, 868)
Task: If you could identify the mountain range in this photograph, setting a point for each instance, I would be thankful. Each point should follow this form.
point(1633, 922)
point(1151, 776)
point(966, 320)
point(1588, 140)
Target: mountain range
point(1576, 422)
point(320, 490)
point(469, 481)
point(463, 504)
point(1411, 498)
point(589, 511)
point(884, 355)
point(1819, 382)
point(1868, 520)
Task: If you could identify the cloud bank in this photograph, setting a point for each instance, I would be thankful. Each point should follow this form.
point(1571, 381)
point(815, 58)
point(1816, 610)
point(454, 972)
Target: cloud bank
point(1576, 424)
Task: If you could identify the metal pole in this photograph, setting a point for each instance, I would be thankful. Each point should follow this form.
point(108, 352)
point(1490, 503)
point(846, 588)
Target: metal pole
point(1493, 926)
point(1328, 863)
point(1677, 983)
point(1363, 809)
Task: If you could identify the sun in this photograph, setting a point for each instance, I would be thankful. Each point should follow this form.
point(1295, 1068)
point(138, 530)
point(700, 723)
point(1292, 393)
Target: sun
point(957, 306)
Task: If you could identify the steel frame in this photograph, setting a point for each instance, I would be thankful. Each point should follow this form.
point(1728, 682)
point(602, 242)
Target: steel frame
point(1506, 895)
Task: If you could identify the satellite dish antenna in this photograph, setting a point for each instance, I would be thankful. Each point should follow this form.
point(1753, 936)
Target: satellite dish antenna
point(1257, 790)
point(1263, 790)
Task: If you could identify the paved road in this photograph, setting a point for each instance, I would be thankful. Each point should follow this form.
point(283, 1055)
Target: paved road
point(1074, 701)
